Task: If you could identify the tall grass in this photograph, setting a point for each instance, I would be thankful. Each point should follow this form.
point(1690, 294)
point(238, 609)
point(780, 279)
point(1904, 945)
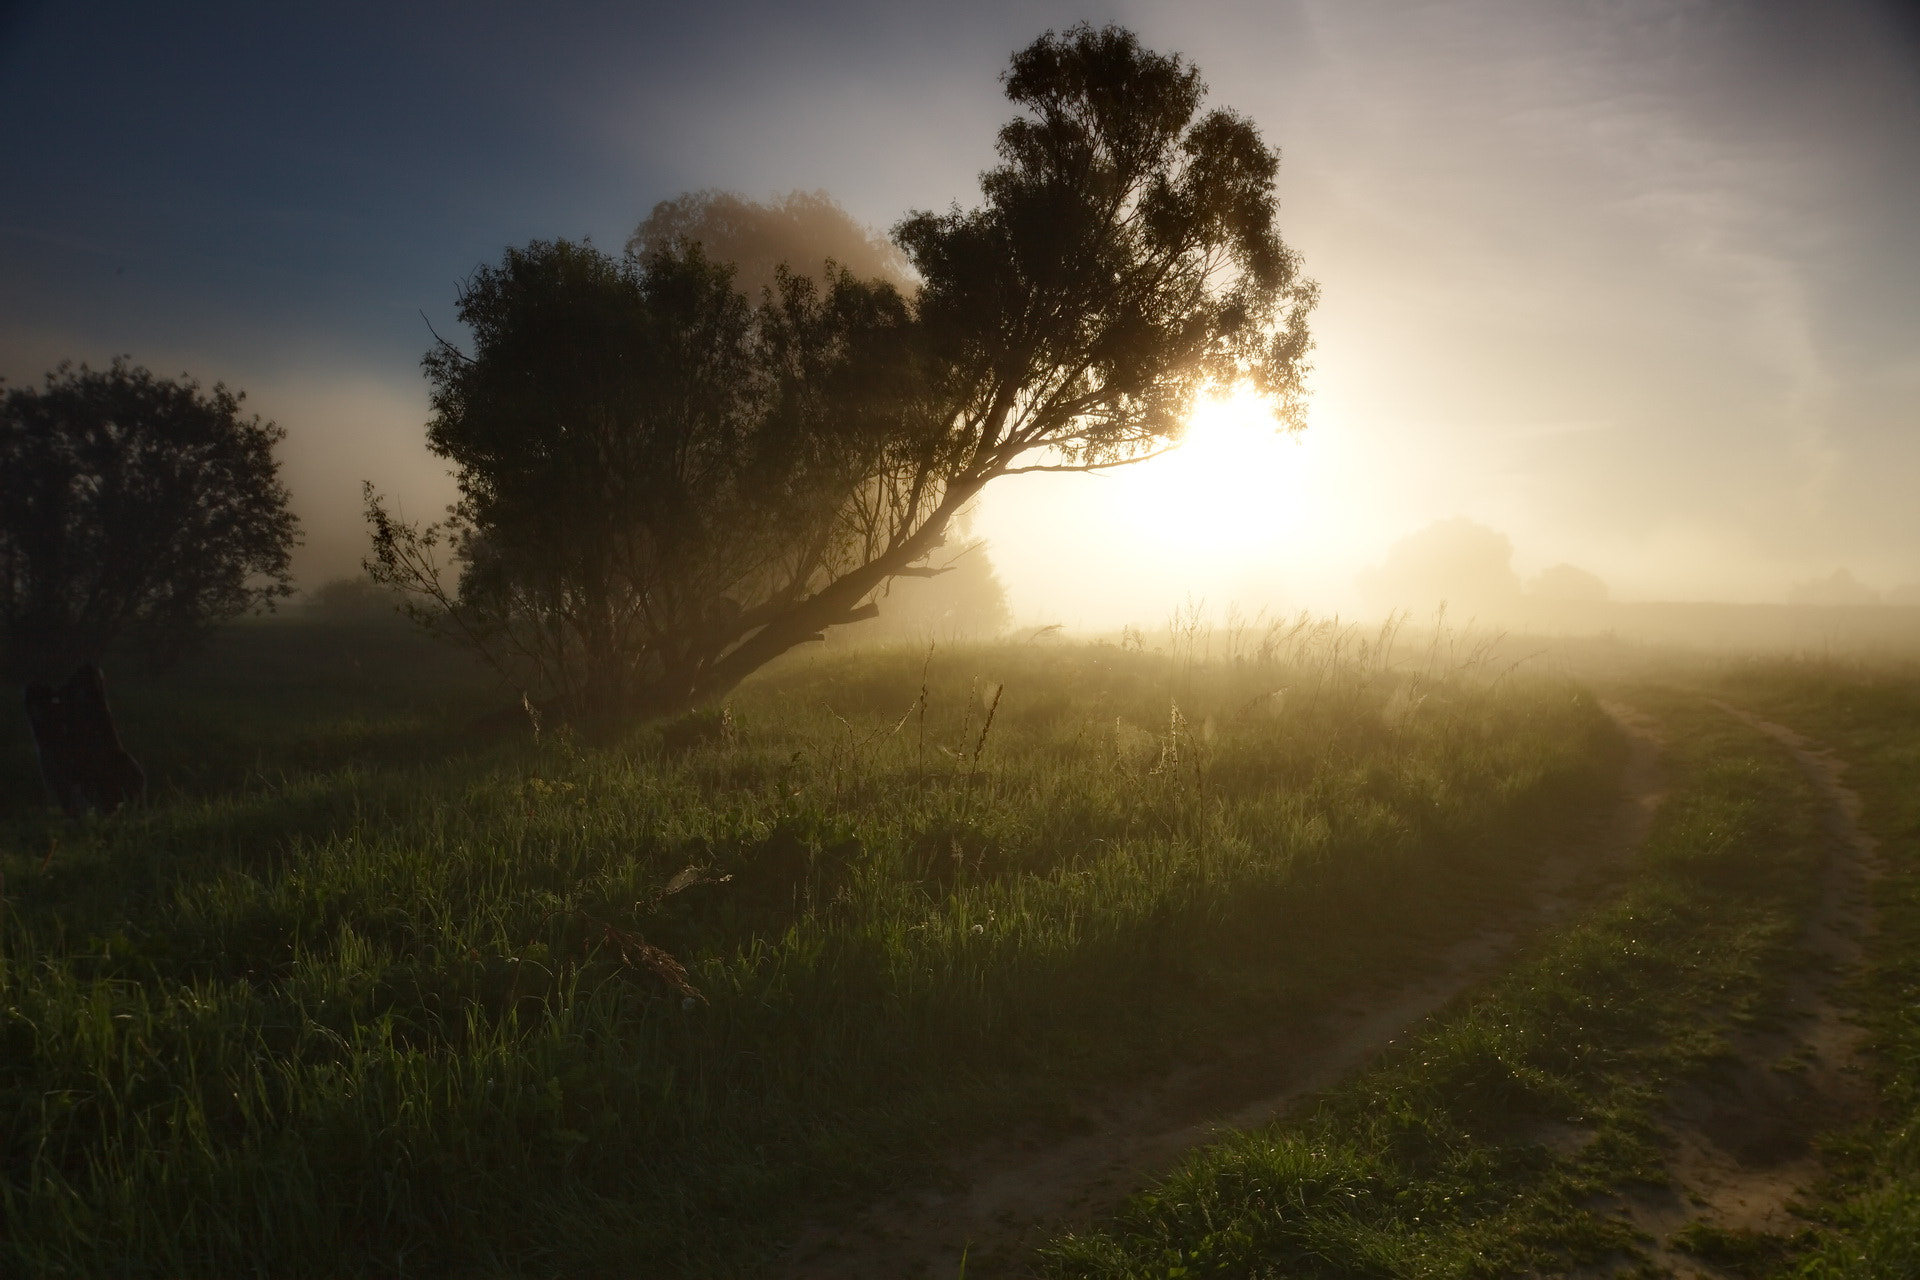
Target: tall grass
point(354, 996)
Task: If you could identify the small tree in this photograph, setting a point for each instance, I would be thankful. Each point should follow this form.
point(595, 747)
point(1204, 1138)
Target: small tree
point(664, 489)
point(132, 508)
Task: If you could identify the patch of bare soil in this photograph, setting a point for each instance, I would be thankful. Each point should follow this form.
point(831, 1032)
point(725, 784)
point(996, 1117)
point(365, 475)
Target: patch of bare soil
point(1008, 1195)
point(1743, 1141)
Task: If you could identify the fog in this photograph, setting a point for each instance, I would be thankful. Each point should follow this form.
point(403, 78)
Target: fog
point(803, 231)
point(1617, 298)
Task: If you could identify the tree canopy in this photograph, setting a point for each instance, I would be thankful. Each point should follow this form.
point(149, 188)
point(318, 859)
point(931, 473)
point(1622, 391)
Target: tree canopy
point(132, 508)
point(665, 486)
point(801, 231)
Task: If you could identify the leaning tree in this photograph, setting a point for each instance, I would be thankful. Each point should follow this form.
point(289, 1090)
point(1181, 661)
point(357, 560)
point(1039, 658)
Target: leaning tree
point(664, 487)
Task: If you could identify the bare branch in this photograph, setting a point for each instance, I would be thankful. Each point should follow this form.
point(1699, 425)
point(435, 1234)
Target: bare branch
point(443, 344)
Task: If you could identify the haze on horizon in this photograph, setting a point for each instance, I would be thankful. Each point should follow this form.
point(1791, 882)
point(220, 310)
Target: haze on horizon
point(1636, 286)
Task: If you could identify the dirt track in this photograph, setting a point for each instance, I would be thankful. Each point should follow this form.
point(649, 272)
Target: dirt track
point(1742, 1143)
point(1014, 1195)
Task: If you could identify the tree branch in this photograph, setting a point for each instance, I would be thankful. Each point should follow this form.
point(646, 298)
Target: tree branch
point(443, 344)
point(1091, 466)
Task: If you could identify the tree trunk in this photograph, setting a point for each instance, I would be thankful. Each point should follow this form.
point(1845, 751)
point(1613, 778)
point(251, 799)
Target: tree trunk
point(836, 604)
point(81, 758)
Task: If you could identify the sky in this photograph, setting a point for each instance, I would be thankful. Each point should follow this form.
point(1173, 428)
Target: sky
point(1635, 283)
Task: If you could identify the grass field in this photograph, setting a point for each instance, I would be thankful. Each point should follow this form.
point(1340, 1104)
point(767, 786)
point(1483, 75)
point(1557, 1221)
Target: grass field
point(358, 993)
point(1502, 1139)
point(1545, 1125)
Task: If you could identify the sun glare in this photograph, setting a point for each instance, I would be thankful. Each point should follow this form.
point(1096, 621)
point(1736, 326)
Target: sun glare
point(1231, 486)
point(1238, 513)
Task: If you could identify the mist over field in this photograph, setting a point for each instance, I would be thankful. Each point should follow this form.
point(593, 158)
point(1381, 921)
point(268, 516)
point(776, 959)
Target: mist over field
point(1633, 287)
point(1013, 641)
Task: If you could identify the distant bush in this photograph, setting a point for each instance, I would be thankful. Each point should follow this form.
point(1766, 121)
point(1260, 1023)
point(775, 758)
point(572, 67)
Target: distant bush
point(1568, 584)
point(1841, 588)
point(967, 602)
point(352, 600)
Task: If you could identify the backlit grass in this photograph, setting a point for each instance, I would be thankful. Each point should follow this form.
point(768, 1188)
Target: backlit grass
point(359, 995)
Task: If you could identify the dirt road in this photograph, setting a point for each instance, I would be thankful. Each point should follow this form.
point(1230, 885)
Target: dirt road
point(1013, 1195)
point(1742, 1141)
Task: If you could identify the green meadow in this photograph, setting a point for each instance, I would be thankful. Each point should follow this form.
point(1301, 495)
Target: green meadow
point(371, 988)
point(362, 991)
point(1552, 1122)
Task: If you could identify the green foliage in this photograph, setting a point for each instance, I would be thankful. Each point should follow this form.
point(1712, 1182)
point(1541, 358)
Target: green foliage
point(1124, 258)
point(650, 469)
point(346, 1000)
point(132, 508)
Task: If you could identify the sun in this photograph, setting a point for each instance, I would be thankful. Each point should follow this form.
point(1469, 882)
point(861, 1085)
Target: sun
point(1234, 484)
point(1239, 512)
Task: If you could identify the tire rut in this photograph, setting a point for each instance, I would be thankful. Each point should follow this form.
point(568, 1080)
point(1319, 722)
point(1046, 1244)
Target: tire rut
point(1744, 1144)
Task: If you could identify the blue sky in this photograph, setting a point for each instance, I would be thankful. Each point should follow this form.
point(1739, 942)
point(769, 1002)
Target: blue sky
point(1637, 283)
